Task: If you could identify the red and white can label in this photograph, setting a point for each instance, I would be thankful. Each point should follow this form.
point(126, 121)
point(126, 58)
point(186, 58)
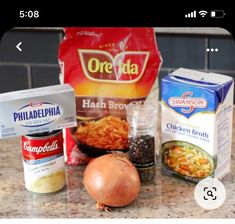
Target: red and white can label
point(43, 162)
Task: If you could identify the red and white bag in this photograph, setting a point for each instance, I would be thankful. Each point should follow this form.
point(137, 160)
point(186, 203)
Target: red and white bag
point(103, 65)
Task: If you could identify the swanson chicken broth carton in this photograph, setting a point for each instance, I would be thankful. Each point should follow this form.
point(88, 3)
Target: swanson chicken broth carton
point(197, 110)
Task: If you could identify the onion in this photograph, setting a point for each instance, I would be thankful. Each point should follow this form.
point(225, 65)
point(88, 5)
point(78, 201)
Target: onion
point(112, 180)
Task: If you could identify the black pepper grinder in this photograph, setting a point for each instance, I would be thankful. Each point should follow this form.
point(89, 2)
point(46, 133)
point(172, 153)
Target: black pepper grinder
point(141, 118)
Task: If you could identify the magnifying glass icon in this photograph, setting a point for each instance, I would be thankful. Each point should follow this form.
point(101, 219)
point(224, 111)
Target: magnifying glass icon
point(209, 193)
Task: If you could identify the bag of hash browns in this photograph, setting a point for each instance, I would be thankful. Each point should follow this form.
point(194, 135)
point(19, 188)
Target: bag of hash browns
point(108, 68)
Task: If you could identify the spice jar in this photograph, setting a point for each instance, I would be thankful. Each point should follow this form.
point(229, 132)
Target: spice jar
point(141, 118)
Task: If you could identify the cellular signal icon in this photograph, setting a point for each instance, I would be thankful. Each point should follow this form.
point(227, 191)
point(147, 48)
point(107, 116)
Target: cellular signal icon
point(191, 14)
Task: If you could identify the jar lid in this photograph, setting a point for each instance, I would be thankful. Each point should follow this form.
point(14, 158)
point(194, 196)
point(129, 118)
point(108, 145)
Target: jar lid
point(141, 114)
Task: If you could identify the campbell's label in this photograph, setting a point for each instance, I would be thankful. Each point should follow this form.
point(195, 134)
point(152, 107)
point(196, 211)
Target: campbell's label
point(187, 102)
point(37, 113)
point(47, 148)
point(43, 162)
point(102, 66)
point(40, 148)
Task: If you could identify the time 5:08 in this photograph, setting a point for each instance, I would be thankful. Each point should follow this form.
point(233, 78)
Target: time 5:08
point(29, 14)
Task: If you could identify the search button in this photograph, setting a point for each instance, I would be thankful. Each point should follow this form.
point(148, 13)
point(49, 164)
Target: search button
point(210, 193)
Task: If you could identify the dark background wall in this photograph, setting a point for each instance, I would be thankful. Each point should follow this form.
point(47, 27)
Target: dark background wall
point(37, 64)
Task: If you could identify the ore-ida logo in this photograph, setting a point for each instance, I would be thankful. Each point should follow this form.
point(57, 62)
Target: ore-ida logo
point(37, 113)
point(102, 66)
point(187, 102)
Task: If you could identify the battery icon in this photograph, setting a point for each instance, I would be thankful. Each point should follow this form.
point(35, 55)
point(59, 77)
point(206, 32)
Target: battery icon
point(217, 14)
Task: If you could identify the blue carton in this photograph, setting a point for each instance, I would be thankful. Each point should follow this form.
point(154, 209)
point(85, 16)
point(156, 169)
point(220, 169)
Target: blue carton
point(197, 111)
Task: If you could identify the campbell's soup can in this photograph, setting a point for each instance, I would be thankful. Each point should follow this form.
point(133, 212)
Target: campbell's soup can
point(43, 161)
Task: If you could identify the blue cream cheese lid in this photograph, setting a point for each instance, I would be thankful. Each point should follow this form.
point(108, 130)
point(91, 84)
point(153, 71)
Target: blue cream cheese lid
point(189, 91)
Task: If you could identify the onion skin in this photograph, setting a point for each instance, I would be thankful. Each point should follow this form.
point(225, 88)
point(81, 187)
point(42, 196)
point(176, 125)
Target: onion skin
point(112, 180)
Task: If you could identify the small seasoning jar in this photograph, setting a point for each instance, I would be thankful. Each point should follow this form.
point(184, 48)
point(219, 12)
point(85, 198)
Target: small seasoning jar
point(141, 118)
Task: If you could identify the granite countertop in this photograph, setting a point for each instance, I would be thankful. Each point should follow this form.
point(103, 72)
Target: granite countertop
point(166, 197)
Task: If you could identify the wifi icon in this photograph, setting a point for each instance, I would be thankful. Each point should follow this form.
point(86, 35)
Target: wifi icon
point(202, 13)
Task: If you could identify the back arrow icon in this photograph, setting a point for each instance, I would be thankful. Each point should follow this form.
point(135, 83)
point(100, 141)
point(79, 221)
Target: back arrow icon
point(18, 46)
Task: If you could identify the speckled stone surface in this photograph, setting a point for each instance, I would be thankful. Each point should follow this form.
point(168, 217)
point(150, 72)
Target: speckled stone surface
point(166, 197)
